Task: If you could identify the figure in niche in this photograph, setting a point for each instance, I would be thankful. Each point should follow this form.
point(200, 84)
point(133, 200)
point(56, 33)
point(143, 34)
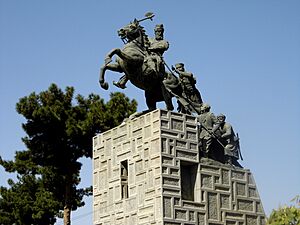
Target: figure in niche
point(225, 134)
point(189, 90)
point(206, 122)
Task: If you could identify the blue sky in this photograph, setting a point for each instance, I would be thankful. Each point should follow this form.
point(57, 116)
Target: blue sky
point(245, 55)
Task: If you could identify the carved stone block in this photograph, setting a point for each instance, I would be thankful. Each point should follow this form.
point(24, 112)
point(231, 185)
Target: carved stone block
point(148, 171)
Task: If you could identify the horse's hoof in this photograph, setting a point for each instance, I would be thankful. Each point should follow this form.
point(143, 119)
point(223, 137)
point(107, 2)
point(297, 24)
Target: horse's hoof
point(104, 85)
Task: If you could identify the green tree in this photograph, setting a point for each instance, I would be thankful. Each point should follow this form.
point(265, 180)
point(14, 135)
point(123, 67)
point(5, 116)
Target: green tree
point(27, 202)
point(59, 132)
point(287, 215)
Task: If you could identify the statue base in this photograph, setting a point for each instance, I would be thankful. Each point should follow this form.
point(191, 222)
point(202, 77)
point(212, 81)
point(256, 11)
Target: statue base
point(149, 171)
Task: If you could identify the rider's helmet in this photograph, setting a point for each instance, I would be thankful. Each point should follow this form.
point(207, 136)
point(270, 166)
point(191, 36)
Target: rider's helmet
point(159, 27)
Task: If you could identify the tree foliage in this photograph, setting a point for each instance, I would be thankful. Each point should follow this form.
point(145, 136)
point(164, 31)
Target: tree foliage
point(287, 215)
point(27, 202)
point(59, 132)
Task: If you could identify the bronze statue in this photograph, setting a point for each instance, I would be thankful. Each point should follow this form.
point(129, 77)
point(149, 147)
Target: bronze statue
point(189, 90)
point(155, 48)
point(224, 132)
point(141, 61)
point(133, 61)
point(206, 121)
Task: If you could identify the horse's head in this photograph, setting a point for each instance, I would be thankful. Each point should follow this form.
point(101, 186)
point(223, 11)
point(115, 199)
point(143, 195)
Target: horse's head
point(130, 31)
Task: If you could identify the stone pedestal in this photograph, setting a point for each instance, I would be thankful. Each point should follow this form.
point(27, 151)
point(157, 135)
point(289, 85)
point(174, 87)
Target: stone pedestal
point(148, 171)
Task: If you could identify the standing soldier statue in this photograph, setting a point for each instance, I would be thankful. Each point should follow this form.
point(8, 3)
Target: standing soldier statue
point(206, 122)
point(224, 132)
point(189, 90)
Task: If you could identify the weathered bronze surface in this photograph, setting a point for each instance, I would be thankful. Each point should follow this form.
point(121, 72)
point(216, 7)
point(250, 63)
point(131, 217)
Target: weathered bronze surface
point(141, 61)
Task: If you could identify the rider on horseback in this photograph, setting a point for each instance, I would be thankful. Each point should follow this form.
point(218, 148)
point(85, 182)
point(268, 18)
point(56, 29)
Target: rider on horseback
point(142, 63)
point(157, 48)
point(153, 60)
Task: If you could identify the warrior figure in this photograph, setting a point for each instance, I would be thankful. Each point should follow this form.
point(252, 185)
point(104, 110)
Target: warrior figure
point(230, 141)
point(206, 122)
point(189, 90)
point(153, 60)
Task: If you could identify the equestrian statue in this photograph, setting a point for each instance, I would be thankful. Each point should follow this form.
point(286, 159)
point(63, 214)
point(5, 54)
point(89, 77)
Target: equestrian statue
point(142, 63)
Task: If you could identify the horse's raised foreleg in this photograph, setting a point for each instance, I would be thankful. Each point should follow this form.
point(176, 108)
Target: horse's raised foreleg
point(125, 56)
point(109, 55)
point(113, 67)
point(108, 66)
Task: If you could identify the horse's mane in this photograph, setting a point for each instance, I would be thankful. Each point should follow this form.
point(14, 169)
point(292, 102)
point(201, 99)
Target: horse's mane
point(145, 38)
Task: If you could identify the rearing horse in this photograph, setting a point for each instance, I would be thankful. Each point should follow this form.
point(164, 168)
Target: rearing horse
point(134, 60)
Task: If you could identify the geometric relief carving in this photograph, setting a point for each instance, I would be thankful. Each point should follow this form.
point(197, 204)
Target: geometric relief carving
point(174, 171)
point(262, 220)
point(171, 181)
point(103, 179)
point(190, 119)
point(194, 205)
point(212, 206)
point(139, 166)
point(234, 216)
point(225, 202)
point(228, 222)
point(167, 207)
point(169, 133)
point(251, 220)
point(164, 124)
point(147, 132)
point(222, 188)
point(155, 146)
point(193, 146)
point(147, 171)
point(180, 214)
point(259, 207)
point(216, 180)
point(206, 181)
point(201, 219)
point(171, 192)
point(238, 175)
point(241, 189)
point(252, 193)
point(171, 223)
point(245, 205)
point(225, 176)
point(210, 169)
point(167, 160)
point(250, 179)
point(96, 163)
point(177, 201)
point(191, 135)
point(187, 155)
point(181, 144)
point(164, 145)
point(191, 216)
point(176, 124)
